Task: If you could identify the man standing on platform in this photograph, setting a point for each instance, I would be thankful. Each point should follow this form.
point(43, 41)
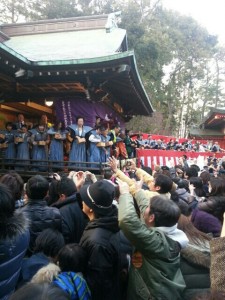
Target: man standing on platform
point(20, 121)
point(95, 139)
point(106, 147)
point(44, 122)
point(40, 141)
point(77, 137)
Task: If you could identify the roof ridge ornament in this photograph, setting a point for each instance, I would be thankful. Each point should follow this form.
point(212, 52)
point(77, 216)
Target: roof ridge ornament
point(112, 21)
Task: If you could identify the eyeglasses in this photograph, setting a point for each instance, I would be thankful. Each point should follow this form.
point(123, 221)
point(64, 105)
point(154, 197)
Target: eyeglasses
point(92, 200)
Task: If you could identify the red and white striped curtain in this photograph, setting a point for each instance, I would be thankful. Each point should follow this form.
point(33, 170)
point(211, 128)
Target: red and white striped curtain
point(151, 158)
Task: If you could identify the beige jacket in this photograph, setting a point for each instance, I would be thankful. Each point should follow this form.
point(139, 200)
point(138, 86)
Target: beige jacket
point(146, 177)
point(217, 274)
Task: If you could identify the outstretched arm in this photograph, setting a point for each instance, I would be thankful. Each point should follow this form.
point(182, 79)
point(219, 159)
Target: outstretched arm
point(145, 239)
point(119, 174)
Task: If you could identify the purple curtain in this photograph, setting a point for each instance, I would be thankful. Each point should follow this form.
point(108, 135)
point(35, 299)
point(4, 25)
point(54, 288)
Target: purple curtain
point(69, 110)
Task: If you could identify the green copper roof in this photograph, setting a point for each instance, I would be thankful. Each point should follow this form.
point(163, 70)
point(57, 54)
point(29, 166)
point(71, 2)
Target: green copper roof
point(13, 53)
point(81, 61)
point(67, 45)
point(92, 52)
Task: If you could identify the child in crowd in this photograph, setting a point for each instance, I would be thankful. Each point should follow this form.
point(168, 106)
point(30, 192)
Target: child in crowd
point(47, 246)
point(68, 275)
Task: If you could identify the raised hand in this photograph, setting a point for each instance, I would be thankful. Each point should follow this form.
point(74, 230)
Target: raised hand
point(112, 162)
point(79, 179)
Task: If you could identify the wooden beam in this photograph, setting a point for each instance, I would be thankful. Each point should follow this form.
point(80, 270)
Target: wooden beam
point(30, 107)
point(6, 78)
point(24, 96)
point(39, 107)
point(8, 108)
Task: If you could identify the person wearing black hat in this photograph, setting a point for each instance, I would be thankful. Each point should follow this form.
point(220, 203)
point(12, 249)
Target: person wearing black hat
point(101, 240)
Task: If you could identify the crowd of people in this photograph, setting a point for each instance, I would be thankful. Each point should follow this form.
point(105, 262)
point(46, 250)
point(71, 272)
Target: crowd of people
point(136, 233)
point(172, 144)
point(27, 147)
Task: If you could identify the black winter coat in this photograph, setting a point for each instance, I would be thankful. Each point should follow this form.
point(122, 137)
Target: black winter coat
point(14, 241)
point(195, 266)
point(73, 219)
point(41, 217)
point(101, 240)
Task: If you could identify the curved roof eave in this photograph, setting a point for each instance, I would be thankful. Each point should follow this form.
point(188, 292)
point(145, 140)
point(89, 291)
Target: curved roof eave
point(126, 57)
point(139, 82)
point(13, 54)
point(85, 61)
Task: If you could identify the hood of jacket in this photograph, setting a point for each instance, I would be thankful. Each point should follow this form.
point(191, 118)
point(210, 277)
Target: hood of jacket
point(72, 198)
point(14, 226)
point(183, 194)
point(175, 234)
point(196, 256)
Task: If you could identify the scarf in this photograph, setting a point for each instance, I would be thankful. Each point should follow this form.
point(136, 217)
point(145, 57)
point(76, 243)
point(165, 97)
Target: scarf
point(74, 284)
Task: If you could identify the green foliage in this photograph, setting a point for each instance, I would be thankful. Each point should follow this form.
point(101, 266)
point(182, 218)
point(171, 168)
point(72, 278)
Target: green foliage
point(52, 9)
point(11, 10)
point(180, 63)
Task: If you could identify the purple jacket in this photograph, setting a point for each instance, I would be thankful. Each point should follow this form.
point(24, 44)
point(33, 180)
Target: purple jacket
point(206, 222)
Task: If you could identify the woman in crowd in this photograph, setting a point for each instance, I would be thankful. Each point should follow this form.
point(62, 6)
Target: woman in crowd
point(76, 137)
point(215, 204)
point(198, 191)
point(46, 249)
point(195, 259)
point(69, 272)
point(16, 185)
point(72, 260)
point(216, 186)
point(205, 176)
point(206, 222)
point(182, 189)
point(14, 241)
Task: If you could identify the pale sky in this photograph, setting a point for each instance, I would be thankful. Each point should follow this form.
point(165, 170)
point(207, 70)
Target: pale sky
point(209, 13)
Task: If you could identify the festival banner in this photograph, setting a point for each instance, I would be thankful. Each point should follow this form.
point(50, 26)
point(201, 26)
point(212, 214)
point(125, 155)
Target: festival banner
point(68, 110)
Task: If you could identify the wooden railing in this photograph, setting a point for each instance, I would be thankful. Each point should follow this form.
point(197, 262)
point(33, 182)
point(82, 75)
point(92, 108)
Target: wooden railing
point(28, 168)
